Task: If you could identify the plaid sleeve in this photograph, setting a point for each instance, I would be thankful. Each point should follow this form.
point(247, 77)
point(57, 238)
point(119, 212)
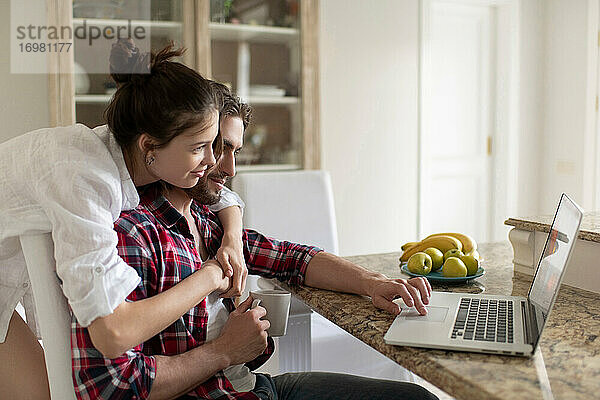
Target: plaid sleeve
point(129, 376)
point(272, 258)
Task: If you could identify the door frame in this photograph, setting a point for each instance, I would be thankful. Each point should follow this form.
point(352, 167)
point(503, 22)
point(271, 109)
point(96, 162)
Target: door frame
point(503, 179)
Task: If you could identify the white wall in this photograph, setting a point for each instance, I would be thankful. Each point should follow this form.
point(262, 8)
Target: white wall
point(24, 106)
point(369, 54)
point(566, 101)
point(557, 118)
point(531, 105)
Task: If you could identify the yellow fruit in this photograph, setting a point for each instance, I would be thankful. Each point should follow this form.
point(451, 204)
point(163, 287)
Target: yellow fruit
point(442, 243)
point(454, 268)
point(408, 245)
point(453, 253)
point(474, 253)
point(437, 258)
point(468, 243)
point(419, 263)
point(471, 263)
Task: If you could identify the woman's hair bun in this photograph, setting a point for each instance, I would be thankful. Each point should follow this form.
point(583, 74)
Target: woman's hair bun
point(129, 65)
point(127, 62)
point(164, 56)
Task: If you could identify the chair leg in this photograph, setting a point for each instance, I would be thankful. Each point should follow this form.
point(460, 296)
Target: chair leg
point(22, 366)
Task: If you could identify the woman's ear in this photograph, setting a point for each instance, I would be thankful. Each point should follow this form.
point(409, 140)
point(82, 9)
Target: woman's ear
point(145, 143)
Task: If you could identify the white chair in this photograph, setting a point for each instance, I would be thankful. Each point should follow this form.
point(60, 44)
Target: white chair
point(296, 206)
point(52, 313)
point(292, 205)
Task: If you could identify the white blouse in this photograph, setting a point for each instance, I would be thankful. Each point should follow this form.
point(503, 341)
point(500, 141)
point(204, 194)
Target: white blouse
point(73, 182)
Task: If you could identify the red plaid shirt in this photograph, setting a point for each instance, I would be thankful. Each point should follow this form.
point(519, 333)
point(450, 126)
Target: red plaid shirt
point(156, 241)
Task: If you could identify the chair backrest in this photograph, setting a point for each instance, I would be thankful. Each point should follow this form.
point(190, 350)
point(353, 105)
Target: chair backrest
point(52, 312)
point(291, 205)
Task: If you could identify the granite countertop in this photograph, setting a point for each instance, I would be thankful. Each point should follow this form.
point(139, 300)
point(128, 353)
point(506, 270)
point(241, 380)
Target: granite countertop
point(590, 226)
point(566, 366)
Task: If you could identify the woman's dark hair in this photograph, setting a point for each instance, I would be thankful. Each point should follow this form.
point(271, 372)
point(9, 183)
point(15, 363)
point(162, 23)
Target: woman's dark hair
point(232, 105)
point(156, 96)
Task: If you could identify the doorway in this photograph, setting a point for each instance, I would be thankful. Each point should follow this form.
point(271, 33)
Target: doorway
point(467, 109)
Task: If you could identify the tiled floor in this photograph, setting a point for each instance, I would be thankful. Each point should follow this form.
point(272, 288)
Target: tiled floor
point(337, 351)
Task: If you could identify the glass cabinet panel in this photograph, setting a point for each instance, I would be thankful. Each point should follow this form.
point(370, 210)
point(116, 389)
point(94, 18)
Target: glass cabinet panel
point(255, 50)
point(157, 21)
point(265, 50)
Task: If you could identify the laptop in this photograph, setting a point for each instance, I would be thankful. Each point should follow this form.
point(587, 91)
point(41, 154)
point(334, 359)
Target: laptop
point(495, 324)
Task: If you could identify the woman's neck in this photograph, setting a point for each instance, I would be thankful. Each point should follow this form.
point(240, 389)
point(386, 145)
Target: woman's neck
point(180, 200)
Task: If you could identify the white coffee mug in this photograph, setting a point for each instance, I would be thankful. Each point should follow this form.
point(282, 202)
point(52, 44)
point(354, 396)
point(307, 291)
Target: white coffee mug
point(277, 304)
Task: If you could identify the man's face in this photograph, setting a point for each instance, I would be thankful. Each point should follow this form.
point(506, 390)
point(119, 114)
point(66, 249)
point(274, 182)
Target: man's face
point(208, 189)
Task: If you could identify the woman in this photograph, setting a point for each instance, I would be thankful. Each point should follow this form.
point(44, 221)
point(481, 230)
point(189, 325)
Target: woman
point(75, 181)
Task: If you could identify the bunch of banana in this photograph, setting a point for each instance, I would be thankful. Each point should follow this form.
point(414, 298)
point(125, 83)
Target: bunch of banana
point(443, 242)
point(408, 245)
point(468, 243)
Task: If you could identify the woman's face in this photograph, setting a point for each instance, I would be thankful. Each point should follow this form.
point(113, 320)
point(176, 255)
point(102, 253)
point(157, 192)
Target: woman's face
point(186, 158)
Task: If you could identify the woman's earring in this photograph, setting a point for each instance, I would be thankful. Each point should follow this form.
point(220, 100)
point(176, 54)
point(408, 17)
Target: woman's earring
point(149, 160)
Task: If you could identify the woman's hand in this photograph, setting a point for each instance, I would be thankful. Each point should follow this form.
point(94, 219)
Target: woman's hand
point(222, 283)
point(231, 257)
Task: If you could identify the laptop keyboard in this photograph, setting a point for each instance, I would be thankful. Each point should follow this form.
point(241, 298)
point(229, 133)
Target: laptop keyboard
point(485, 320)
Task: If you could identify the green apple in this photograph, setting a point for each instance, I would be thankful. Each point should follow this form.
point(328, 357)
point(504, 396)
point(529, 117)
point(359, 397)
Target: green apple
point(474, 253)
point(453, 253)
point(471, 263)
point(419, 263)
point(437, 258)
point(454, 268)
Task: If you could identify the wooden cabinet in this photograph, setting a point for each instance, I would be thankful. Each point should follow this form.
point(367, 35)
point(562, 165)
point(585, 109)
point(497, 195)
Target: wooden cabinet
point(273, 68)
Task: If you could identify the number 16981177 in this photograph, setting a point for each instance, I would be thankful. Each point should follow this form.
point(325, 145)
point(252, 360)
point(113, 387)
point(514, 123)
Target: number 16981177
point(58, 47)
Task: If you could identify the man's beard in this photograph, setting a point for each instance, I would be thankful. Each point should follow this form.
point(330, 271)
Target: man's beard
point(202, 194)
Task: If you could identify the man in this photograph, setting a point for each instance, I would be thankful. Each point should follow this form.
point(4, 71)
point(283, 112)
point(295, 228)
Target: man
point(234, 121)
point(210, 351)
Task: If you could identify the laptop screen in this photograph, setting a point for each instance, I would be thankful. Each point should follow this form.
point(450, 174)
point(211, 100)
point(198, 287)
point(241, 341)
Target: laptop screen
point(553, 262)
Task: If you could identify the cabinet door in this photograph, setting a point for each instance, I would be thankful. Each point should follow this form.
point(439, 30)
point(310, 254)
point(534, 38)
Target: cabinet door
point(257, 48)
point(151, 24)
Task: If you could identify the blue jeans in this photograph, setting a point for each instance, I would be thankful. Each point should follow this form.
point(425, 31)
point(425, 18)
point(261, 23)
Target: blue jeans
point(325, 385)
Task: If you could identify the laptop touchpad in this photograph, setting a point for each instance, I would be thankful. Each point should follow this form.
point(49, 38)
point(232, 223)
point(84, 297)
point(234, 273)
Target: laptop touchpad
point(434, 314)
